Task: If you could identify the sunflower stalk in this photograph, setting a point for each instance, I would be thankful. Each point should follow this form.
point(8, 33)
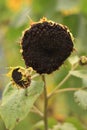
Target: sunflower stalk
point(45, 104)
point(63, 81)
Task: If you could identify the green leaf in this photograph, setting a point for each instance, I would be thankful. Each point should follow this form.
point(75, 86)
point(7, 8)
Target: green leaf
point(73, 59)
point(2, 126)
point(25, 124)
point(65, 126)
point(81, 98)
point(79, 73)
point(16, 103)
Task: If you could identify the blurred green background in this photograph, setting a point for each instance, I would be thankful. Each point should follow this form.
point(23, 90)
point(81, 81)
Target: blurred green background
point(15, 16)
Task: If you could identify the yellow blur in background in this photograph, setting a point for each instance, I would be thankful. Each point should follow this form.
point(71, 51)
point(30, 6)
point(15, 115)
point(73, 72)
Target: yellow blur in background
point(16, 5)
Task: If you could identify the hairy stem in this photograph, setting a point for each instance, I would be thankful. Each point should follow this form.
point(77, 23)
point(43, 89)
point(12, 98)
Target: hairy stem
point(34, 76)
point(36, 110)
point(67, 90)
point(63, 81)
point(59, 85)
point(45, 104)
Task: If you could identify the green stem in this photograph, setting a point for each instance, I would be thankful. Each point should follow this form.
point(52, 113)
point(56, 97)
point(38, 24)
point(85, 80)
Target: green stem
point(36, 110)
point(45, 104)
point(34, 76)
point(59, 85)
point(67, 90)
point(63, 81)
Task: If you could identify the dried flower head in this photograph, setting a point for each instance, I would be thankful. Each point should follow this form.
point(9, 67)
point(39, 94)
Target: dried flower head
point(20, 76)
point(46, 45)
point(83, 60)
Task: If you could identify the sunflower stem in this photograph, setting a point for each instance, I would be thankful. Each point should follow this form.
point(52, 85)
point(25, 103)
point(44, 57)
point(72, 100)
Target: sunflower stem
point(36, 110)
point(35, 76)
point(45, 104)
point(63, 81)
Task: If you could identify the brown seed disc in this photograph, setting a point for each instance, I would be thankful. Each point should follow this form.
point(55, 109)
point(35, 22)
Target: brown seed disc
point(46, 45)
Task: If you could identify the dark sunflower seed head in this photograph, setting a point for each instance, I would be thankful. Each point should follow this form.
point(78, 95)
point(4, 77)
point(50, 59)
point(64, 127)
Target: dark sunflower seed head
point(20, 78)
point(46, 45)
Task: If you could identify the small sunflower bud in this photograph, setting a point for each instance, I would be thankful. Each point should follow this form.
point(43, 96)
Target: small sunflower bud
point(46, 45)
point(20, 77)
point(83, 60)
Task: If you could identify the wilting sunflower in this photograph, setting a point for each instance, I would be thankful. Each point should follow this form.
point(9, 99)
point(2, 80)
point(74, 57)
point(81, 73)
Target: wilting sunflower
point(46, 45)
point(20, 77)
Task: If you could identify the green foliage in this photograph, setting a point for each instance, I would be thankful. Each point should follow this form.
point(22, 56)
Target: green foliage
point(81, 98)
point(2, 126)
point(79, 73)
point(16, 104)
